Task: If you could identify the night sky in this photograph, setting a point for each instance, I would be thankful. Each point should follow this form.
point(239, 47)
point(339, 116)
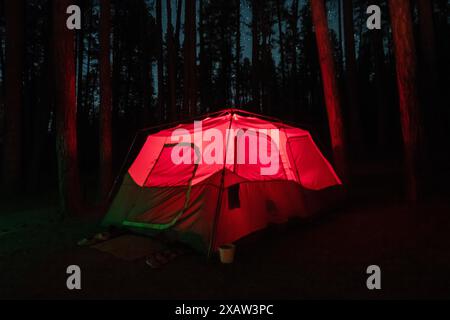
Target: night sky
point(246, 18)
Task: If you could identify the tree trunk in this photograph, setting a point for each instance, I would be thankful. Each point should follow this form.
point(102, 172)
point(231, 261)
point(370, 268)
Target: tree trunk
point(80, 38)
point(256, 91)
point(2, 61)
point(427, 38)
point(205, 75)
point(406, 69)
point(351, 75)
point(117, 60)
point(42, 113)
point(430, 93)
point(281, 43)
point(12, 155)
point(178, 24)
point(294, 24)
point(294, 95)
point(380, 85)
point(237, 99)
point(159, 111)
point(179, 76)
point(330, 85)
point(105, 164)
point(146, 75)
point(2, 88)
point(171, 97)
point(84, 112)
point(189, 82)
point(65, 105)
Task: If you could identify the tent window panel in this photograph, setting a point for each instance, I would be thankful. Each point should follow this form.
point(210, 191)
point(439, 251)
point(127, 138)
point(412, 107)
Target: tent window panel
point(234, 201)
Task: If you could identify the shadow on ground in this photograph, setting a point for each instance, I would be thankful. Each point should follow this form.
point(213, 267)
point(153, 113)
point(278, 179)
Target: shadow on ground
point(323, 258)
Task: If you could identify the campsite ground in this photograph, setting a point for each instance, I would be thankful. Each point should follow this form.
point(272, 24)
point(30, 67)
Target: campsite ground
point(323, 258)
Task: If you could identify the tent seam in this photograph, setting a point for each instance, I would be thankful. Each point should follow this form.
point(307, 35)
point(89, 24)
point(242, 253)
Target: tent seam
point(219, 200)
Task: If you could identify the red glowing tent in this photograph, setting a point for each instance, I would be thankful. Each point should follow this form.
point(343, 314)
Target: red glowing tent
point(216, 180)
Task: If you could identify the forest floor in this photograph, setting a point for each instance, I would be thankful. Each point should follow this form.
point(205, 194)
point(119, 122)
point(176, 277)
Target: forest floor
point(323, 258)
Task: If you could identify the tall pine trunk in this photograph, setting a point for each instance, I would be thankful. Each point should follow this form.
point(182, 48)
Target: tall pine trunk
point(80, 58)
point(351, 75)
point(429, 86)
point(256, 90)
point(330, 85)
point(190, 70)
point(294, 95)
point(2, 74)
point(105, 126)
point(179, 76)
point(406, 68)
point(117, 64)
point(237, 68)
point(43, 107)
point(205, 63)
point(178, 25)
point(12, 153)
point(84, 112)
point(65, 109)
point(380, 87)
point(160, 105)
point(427, 39)
point(171, 71)
point(293, 26)
point(281, 43)
point(2, 55)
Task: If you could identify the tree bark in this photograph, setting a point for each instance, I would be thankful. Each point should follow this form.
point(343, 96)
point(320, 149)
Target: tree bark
point(84, 112)
point(281, 43)
point(380, 85)
point(293, 27)
point(256, 91)
point(80, 38)
point(427, 38)
point(406, 69)
point(171, 71)
point(330, 86)
point(189, 82)
point(146, 74)
point(65, 105)
point(2, 60)
point(14, 15)
point(429, 85)
point(294, 95)
point(43, 106)
point(178, 24)
point(105, 126)
point(2, 88)
point(159, 111)
point(237, 68)
point(351, 75)
point(205, 62)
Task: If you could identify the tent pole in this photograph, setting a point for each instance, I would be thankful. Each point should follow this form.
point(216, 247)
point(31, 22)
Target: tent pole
point(216, 214)
point(220, 196)
point(224, 111)
point(122, 167)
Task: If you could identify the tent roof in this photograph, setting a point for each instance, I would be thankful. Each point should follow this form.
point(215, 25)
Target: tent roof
point(239, 119)
point(153, 166)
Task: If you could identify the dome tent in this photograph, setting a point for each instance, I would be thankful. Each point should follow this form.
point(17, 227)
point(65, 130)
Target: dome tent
point(213, 181)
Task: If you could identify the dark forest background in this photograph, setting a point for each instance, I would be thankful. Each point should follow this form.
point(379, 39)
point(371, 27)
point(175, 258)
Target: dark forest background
point(136, 64)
